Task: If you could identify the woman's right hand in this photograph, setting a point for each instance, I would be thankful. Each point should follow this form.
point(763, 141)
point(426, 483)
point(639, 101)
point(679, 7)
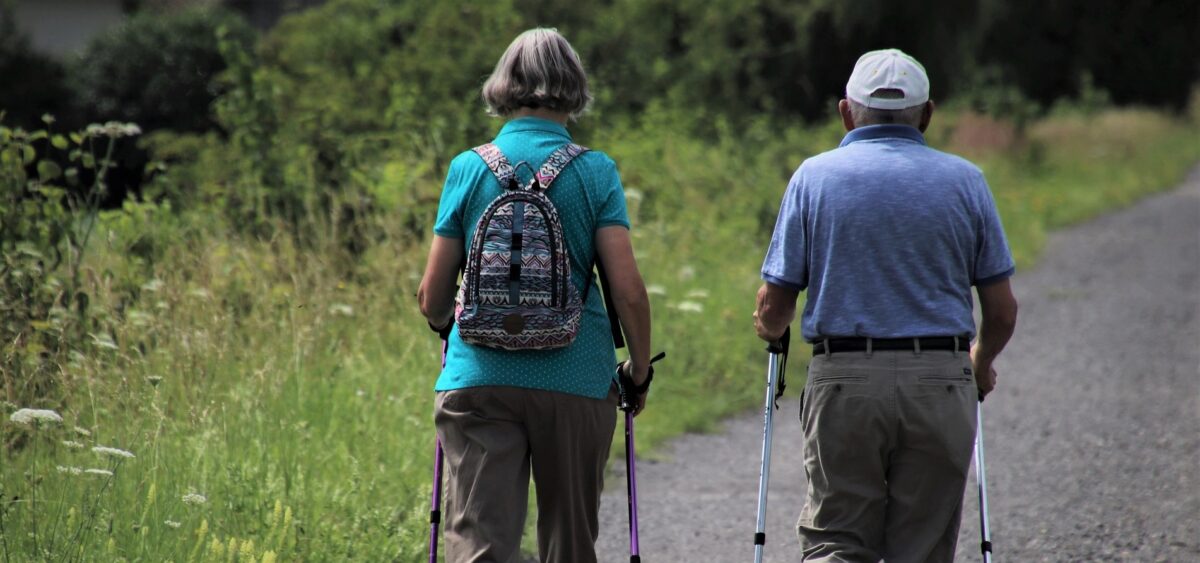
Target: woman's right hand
point(638, 377)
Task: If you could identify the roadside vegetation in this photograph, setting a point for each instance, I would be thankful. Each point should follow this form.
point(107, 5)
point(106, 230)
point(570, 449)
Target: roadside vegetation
point(228, 364)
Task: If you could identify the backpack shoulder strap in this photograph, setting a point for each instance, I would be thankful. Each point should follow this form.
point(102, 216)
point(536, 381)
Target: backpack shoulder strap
point(555, 164)
point(498, 164)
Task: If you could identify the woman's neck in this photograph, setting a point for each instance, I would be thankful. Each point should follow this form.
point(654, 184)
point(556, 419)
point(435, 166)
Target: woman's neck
point(542, 113)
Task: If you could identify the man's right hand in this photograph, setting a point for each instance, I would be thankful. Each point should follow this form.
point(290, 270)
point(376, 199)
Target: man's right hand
point(985, 377)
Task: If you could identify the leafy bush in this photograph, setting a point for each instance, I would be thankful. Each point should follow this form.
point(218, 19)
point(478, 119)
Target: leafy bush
point(45, 232)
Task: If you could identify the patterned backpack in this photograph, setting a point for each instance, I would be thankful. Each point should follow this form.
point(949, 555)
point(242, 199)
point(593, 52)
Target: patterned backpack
point(516, 292)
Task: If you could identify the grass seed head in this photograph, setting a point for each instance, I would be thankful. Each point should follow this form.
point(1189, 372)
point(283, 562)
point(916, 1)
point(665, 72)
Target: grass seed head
point(112, 452)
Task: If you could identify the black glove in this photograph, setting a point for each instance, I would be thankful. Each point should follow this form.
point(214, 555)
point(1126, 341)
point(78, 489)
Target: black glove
point(630, 392)
point(443, 332)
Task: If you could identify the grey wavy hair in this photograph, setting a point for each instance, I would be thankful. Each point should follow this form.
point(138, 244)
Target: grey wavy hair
point(864, 115)
point(539, 69)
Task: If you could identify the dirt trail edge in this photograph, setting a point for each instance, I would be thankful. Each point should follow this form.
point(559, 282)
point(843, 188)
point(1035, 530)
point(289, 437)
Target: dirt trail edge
point(1092, 437)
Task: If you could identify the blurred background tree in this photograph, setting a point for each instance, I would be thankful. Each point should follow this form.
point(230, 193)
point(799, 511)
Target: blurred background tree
point(346, 81)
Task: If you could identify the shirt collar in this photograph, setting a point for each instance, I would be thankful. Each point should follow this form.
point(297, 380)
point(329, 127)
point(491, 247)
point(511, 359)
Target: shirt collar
point(523, 124)
point(873, 132)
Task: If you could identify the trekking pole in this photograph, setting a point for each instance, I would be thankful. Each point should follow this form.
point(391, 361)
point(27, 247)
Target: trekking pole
point(435, 509)
point(985, 545)
point(776, 365)
point(628, 403)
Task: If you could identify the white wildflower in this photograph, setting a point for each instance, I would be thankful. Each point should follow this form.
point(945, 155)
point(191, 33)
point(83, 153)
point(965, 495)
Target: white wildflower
point(70, 470)
point(687, 273)
point(139, 319)
point(153, 285)
point(154, 379)
point(100, 472)
point(31, 416)
point(112, 452)
point(114, 129)
point(360, 393)
point(104, 341)
point(341, 309)
point(655, 289)
point(72, 444)
point(194, 498)
point(172, 524)
point(633, 194)
point(82, 431)
point(697, 294)
point(688, 307)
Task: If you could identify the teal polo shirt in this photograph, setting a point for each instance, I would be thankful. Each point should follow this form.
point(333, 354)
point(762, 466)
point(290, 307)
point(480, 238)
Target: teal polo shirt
point(588, 195)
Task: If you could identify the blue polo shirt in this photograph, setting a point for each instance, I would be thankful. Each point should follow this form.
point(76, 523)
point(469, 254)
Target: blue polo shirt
point(888, 236)
point(588, 195)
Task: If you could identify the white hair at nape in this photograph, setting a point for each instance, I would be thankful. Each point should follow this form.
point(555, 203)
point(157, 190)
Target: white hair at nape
point(863, 115)
point(539, 69)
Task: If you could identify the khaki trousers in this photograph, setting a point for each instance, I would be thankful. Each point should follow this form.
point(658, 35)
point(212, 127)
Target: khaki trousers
point(492, 438)
point(888, 439)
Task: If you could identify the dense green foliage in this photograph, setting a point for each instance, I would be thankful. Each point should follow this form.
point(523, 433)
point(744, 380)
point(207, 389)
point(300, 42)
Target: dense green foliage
point(246, 328)
point(157, 71)
point(33, 83)
point(1133, 50)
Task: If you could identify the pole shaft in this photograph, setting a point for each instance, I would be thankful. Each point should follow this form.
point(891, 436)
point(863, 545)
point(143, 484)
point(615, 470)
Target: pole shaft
point(985, 545)
point(631, 483)
point(435, 510)
point(764, 472)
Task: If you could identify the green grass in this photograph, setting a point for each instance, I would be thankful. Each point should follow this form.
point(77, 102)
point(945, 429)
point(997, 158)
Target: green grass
point(296, 395)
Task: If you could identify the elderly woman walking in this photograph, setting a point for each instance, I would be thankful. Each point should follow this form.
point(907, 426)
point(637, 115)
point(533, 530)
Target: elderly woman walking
point(531, 390)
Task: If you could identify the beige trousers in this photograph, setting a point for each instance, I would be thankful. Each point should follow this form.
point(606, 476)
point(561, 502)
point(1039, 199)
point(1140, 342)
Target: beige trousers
point(493, 437)
point(888, 439)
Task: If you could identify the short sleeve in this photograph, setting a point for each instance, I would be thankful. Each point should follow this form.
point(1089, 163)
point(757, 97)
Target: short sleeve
point(611, 210)
point(786, 264)
point(993, 260)
point(450, 207)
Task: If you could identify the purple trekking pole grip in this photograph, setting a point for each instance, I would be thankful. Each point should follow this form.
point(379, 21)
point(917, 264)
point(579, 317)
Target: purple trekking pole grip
point(435, 509)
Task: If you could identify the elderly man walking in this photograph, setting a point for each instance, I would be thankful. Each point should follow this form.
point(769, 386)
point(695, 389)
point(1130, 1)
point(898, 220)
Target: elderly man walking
point(888, 236)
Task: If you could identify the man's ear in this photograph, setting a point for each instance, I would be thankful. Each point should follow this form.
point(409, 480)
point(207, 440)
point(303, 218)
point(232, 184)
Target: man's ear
point(847, 117)
point(926, 116)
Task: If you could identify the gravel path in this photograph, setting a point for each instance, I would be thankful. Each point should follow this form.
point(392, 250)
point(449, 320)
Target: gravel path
point(1093, 436)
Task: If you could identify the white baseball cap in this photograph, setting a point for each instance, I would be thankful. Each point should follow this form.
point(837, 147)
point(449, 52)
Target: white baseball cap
point(888, 69)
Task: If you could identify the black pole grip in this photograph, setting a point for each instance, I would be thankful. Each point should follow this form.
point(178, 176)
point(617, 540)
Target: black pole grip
point(985, 547)
point(760, 538)
point(444, 332)
point(781, 346)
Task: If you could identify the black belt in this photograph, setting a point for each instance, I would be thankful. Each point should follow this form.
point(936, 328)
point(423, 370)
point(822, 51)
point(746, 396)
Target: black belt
point(837, 345)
